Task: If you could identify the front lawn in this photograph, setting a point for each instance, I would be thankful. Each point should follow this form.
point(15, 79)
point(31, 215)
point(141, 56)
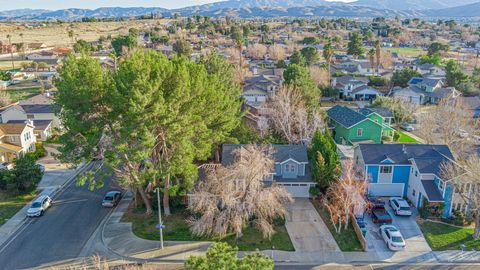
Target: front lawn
point(445, 237)
point(22, 93)
point(407, 51)
point(11, 204)
point(404, 138)
point(347, 239)
point(177, 229)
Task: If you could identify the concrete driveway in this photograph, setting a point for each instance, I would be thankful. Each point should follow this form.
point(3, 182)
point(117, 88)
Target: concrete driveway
point(307, 230)
point(415, 241)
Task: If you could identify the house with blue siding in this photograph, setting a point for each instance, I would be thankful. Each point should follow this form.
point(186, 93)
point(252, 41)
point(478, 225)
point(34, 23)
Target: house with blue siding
point(411, 171)
point(292, 169)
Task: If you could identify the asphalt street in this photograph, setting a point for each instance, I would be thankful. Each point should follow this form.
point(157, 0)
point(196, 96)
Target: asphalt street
point(61, 233)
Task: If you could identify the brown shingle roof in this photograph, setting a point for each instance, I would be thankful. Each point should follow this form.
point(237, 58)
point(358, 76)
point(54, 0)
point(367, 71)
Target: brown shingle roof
point(12, 128)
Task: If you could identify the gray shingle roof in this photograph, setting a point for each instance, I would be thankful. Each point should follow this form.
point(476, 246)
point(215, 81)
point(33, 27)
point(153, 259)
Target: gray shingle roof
point(427, 157)
point(281, 153)
point(345, 116)
point(38, 108)
point(39, 124)
point(432, 191)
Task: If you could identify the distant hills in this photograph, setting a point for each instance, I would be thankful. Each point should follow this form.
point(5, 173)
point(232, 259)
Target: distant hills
point(268, 8)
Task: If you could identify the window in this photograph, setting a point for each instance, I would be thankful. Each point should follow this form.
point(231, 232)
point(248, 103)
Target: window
point(30, 116)
point(416, 173)
point(359, 132)
point(441, 185)
point(27, 136)
point(413, 192)
point(289, 168)
point(385, 169)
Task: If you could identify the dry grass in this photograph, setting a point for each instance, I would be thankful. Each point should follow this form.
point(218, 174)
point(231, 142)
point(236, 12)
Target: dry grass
point(56, 34)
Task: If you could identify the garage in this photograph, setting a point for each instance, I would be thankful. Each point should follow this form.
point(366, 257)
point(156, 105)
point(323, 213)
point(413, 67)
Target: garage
point(386, 190)
point(297, 190)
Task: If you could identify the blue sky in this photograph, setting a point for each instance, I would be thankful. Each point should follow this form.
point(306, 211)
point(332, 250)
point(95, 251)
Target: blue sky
point(92, 4)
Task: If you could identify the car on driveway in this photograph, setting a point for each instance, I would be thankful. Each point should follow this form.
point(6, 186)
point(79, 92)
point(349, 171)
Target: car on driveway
point(39, 206)
point(400, 206)
point(112, 198)
point(392, 237)
point(381, 215)
point(407, 127)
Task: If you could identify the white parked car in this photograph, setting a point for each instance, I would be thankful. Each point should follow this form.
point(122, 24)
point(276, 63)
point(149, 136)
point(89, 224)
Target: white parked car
point(392, 237)
point(39, 206)
point(400, 206)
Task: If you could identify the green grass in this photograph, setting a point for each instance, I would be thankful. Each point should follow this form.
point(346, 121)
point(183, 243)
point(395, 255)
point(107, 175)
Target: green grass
point(347, 239)
point(445, 237)
point(177, 229)
point(11, 204)
point(404, 138)
point(407, 51)
point(19, 94)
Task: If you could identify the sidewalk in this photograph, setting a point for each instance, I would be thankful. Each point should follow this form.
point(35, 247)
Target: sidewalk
point(53, 179)
point(119, 239)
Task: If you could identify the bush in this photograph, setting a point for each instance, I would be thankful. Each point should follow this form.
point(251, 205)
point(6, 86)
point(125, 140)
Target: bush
point(39, 151)
point(315, 191)
point(26, 175)
point(279, 221)
point(396, 136)
point(5, 178)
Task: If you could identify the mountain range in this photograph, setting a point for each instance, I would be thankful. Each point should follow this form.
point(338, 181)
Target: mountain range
point(269, 8)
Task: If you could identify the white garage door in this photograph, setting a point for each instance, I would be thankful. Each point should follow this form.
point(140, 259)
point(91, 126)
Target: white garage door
point(297, 190)
point(387, 190)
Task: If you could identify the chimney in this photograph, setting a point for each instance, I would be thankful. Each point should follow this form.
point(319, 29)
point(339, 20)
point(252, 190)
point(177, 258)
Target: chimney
point(29, 122)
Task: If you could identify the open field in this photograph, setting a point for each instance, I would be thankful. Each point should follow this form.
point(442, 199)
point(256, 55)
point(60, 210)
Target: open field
point(56, 34)
point(407, 51)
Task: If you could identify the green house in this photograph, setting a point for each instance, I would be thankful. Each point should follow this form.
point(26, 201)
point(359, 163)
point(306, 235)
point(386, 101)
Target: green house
point(352, 127)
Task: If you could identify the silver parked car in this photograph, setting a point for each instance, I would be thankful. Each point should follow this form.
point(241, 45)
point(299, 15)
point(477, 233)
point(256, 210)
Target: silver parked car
point(400, 206)
point(39, 206)
point(407, 127)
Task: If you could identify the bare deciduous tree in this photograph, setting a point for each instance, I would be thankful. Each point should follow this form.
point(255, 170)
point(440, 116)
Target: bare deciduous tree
point(448, 123)
point(257, 51)
point(288, 115)
point(276, 52)
point(346, 195)
point(232, 196)
point(465, 177)
point(320, 75)
point(5, 98)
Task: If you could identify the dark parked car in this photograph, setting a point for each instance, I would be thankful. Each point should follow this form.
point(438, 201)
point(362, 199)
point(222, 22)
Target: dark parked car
point(380, 215)
point(112, 198)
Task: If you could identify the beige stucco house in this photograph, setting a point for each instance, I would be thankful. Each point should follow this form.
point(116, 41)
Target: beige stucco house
point(16, 139)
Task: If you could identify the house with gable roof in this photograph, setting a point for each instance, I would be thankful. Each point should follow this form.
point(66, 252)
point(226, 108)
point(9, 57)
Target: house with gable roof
point(427, 90)
point(292, 169)
point(408, 170)
point(352, 127)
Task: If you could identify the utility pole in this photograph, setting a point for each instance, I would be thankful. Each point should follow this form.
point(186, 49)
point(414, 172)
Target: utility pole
point(160, 224)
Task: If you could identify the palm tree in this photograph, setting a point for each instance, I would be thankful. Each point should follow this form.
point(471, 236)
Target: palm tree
point(327, 54)
point(11, 49)
point(371, 57)
point(378, 51)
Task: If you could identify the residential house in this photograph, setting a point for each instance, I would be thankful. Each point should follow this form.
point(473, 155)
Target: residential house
point(292, 168)
point(429, 69)
point(36, 46)
point(346, 84)
point(42, 55)
point(263, 84)
point(352, 127)
point(15, 140)
point(425, 91)
point(407, 170)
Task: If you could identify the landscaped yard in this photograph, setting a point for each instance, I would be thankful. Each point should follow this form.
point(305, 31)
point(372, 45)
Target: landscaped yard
point(177, 230)
point(445, 237)
point(347, 240)
point(10, 205)
point(404, 138)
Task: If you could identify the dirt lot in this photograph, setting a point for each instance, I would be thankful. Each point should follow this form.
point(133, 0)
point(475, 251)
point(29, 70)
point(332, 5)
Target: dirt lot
point(56, 34)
